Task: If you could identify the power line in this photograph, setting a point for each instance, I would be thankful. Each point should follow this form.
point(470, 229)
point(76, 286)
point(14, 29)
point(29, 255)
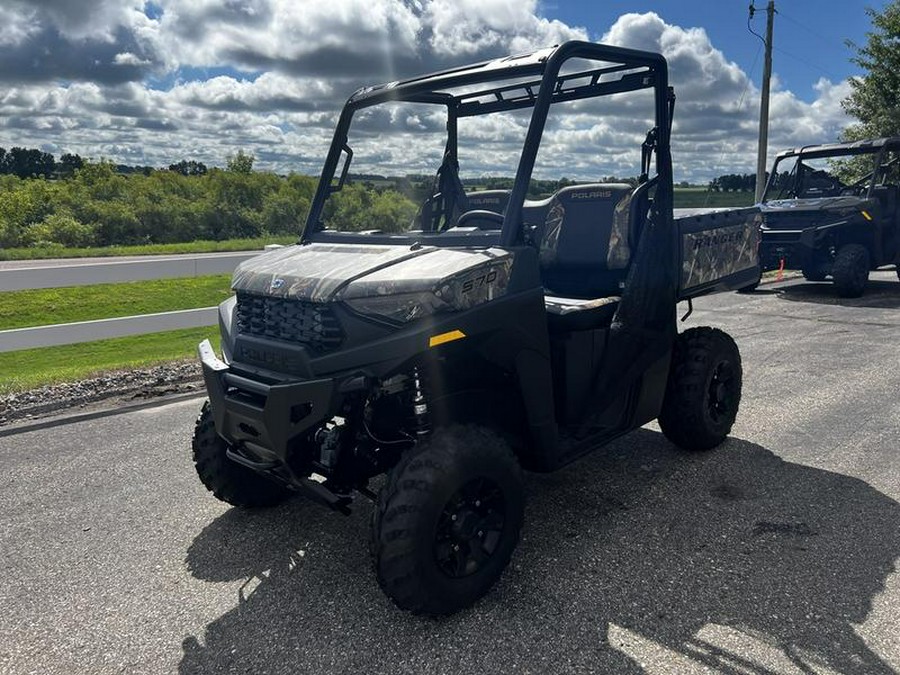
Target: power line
point(750, 15)
point(740, 104)
point(824, 38)
point(749, 76)
point(808, 63)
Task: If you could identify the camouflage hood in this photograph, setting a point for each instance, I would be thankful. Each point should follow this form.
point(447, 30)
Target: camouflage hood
point(802, 213)
point(838, 203)
point(327, 272)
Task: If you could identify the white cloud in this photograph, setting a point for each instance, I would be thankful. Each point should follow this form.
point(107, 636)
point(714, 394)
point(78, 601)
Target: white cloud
point(474, 26)
point(129, 59)
point(17, 24)
point(87, 19)
point(100, 78)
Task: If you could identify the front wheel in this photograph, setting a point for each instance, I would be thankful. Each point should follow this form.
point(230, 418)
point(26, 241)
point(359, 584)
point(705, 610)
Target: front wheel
point(850, 271)
point(703, 391)
point(814, 274)
point(447, 520)
point(227, 480)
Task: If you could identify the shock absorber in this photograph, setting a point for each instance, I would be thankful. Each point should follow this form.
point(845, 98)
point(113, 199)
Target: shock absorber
point(420, 406)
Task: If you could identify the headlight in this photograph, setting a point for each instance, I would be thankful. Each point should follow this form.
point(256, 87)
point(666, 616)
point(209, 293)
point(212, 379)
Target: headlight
point(400, 307)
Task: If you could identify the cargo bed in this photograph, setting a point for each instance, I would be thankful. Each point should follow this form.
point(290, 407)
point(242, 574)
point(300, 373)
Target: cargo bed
point(718, 248)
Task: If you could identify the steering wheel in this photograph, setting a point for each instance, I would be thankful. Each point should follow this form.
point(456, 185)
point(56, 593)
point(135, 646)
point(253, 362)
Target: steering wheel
point(483, 216)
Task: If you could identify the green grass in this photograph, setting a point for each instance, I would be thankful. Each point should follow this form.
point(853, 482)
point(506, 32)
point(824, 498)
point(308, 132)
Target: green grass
point(32, 368)
point(41, 307)
point(701, 198)
point(40, 253)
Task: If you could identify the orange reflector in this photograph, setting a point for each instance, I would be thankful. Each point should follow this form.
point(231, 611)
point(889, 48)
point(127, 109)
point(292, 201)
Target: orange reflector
point(866, 215)
point(436, 340)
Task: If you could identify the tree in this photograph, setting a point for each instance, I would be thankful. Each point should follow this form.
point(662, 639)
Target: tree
point(241, 162)
point(190, 168)
point(69, 164)
point(875, 96)
point(26, 163)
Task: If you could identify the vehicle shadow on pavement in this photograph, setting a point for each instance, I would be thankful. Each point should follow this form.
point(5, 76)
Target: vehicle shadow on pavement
point(636, 558)
point(879, 294)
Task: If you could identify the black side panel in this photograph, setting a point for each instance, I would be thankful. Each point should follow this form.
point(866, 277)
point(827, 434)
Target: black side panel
point(536, 383)
point(576, 356)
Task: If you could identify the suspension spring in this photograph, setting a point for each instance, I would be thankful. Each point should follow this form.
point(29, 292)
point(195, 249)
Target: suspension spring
point(420, 406)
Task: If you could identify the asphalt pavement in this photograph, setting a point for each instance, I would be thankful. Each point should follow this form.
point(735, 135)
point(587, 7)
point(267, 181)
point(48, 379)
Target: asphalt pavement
point(775, 553)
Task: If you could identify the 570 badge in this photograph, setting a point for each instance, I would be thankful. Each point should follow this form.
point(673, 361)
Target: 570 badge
point(480, 281)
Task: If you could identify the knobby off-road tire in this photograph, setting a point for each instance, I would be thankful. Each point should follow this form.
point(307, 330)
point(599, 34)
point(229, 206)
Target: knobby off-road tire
point(752, 287)
point(447, 520)
point(704, 389)
point(814, 275)
point(227, 480)
point(850, 271)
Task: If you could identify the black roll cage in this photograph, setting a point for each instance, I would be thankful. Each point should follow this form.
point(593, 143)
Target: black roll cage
point(877, 148)
point(546, 88)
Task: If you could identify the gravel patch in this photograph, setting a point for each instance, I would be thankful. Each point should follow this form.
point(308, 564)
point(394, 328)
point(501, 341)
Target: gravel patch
point(106, 390)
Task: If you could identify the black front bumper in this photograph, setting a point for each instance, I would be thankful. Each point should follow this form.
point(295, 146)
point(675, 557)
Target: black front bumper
point(265, 418)
point(797, 248)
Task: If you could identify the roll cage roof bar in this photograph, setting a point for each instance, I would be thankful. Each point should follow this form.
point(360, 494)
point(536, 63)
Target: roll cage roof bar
point(541, 86)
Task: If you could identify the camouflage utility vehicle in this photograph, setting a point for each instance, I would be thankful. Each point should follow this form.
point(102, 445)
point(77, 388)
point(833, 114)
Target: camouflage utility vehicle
point(832, 211)
point(492, 333)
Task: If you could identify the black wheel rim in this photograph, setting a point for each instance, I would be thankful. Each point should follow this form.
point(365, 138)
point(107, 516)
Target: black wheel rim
point(721, 392)
point(470, 528)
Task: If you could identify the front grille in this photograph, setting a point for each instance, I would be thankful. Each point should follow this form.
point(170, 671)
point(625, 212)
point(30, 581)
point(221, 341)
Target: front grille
point(306, 323)
point(787, 220)
point(775, 237)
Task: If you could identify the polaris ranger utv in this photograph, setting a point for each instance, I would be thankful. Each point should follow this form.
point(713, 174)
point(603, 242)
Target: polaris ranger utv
point(519, 334)
point(832, 211)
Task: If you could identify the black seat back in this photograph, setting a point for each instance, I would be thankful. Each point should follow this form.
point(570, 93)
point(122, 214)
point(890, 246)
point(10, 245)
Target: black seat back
point(586, 240)
point(489, 200)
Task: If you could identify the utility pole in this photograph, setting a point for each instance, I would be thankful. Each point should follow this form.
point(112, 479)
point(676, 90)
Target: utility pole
point(764, 103)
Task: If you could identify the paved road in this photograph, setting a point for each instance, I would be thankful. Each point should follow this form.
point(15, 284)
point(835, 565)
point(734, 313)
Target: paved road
point(28, 274)
point(775, 553)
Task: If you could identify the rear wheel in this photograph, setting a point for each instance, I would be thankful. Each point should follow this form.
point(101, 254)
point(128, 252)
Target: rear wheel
point(850, 271)
point(227, 480)
point(704, 389)
point(447, 520)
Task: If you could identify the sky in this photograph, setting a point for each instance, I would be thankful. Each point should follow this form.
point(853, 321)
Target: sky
point(151, 83)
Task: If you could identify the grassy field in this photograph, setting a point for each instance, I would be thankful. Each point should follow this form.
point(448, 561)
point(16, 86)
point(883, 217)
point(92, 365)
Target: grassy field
point(26, 369)
point(700, 197)
point(40, 253)
point(21, 309)
point(31, 368)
